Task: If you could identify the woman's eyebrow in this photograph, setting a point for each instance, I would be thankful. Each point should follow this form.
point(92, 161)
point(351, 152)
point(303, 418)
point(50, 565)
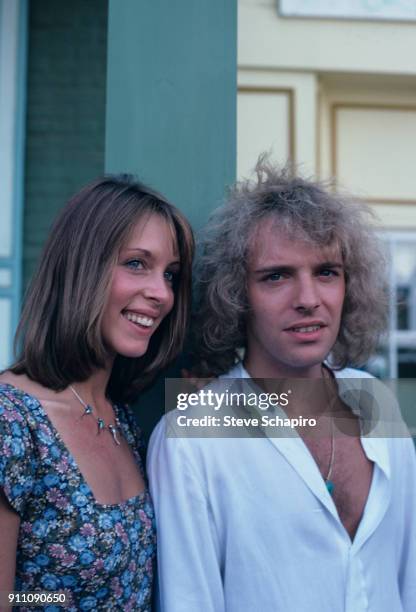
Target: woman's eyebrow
point(138, 251)
point(149, 255)
point(144, 251)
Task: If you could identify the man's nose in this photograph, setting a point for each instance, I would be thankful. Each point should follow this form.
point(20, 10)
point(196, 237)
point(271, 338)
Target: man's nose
point(307, 294)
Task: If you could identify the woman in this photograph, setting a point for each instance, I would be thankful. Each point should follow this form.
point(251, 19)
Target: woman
point(107, 310)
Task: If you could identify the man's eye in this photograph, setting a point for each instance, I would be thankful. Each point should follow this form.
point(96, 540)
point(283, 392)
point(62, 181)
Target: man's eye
point(134, 264)
point(274, 276)
point(327, 272)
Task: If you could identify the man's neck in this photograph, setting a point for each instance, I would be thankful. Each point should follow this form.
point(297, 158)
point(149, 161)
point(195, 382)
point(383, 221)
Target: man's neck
point(279, 371)
point(312, 398)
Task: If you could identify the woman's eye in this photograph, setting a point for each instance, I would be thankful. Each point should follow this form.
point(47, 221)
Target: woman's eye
point(134, 264)
point(170, 276)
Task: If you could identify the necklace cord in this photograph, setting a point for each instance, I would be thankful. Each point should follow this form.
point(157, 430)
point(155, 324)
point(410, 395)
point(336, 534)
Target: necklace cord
point(101, 424)
point(328, 482)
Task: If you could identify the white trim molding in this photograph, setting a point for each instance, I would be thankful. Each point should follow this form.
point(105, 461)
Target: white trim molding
point(398, 10)
point(13, 44)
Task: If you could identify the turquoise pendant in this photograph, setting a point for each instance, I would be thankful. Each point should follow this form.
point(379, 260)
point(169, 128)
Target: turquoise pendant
point(330, 486)
point(100, 424)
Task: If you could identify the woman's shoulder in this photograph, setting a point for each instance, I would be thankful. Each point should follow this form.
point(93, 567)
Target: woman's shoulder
point(18, 396)
point(21, 415)
point(19, 422)
point(25, 393)
point(22, 384)
point(13, 395)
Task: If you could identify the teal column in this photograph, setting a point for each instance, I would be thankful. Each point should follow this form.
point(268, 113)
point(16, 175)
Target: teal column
point(171, 98)
point(171, 111)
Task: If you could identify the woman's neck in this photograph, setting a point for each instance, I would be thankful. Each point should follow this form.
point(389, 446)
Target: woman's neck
point(93, 390)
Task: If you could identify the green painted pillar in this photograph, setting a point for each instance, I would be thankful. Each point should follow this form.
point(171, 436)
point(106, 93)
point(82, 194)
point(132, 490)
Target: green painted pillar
point(171, 98)
point(171, 111)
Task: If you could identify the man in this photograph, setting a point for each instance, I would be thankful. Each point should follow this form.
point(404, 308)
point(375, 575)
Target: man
point(292, 279)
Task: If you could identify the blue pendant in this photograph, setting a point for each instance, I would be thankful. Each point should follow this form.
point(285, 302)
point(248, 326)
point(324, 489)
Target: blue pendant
point(330, 486)
point(100, 424)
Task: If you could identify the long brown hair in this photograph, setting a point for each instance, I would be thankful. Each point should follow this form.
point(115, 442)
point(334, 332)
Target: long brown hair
point(60, 329)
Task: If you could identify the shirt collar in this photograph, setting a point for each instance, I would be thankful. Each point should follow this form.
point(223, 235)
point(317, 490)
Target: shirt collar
point(362, 396)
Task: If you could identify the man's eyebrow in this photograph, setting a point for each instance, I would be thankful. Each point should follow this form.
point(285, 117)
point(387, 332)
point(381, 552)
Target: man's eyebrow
point(289, 268)
point(274, 268)
point(330, 264)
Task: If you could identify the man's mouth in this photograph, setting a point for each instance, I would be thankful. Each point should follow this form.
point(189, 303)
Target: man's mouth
point(139, 319)
point(306, 329)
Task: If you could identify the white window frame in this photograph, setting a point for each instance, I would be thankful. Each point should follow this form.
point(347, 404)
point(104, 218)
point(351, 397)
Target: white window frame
point(13, 50)
point(396, 338)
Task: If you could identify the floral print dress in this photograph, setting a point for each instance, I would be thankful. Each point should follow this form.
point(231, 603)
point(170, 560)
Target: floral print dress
point(101, 555)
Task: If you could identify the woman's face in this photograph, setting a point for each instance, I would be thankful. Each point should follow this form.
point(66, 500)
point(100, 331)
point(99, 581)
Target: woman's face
point(141, 292)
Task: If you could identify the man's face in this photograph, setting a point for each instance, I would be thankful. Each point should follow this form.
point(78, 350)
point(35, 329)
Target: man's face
point(296, 293)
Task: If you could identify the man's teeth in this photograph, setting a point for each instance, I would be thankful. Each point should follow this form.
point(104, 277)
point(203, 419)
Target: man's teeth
point(141, 319)
point(309, 328)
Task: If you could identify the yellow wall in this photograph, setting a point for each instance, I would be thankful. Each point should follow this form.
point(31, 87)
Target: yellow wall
point(323, 45)
point(338, 97)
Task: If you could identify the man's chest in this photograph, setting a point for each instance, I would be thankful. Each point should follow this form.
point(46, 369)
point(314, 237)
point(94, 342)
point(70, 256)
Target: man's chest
point(351, 475)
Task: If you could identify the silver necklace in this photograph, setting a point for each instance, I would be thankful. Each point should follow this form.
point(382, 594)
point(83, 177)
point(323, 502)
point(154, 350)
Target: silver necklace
point(88, 410)
point(330, 485)
point(328, 482)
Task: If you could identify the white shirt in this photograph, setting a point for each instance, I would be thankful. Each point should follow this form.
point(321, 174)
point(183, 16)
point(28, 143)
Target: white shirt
point(247, 524)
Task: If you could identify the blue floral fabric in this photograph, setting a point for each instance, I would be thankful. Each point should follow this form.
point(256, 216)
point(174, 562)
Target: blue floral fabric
point(102, 556)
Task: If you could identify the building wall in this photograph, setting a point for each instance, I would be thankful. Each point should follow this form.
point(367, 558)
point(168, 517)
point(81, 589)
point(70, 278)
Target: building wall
point(338, 97)
point(342, 45)
point(332, 95)
point(66, 90)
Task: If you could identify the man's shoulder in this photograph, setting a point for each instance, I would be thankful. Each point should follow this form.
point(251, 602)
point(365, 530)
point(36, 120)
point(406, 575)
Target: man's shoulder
point(238, 371)
point(351, 373)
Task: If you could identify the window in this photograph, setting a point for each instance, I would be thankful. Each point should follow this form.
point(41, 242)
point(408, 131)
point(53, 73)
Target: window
point(397, 355)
